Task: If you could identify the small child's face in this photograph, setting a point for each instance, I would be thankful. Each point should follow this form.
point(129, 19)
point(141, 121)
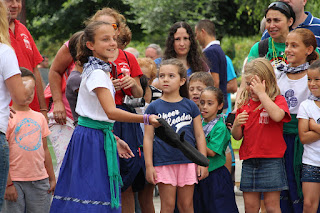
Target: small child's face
point(252, 95)
point(29, 84)
point(209, 105)
point(195, 89)
point(314, 82)
point(169, 78)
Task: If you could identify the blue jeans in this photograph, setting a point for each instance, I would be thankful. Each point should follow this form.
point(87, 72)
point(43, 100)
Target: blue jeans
point(4, 166)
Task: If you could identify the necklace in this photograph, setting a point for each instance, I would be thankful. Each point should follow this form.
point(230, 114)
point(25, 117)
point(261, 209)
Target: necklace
point(275, 56)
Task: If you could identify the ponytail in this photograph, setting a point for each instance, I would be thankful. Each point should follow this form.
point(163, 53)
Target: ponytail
point(83, 52)
point(312, 57)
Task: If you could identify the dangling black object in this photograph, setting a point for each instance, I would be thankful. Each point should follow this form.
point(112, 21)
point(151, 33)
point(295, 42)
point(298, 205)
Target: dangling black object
point(168, 135)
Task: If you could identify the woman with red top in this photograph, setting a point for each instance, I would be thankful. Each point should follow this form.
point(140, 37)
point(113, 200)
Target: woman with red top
point(260, 117)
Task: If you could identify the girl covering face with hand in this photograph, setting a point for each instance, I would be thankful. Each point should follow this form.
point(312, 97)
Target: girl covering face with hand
point(259, 121)
point(89, 179)
point(165, 165)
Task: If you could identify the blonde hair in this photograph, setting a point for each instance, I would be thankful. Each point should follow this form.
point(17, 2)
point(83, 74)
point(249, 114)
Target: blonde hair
point(264, 70)
point(149, 64)
point(4, 25)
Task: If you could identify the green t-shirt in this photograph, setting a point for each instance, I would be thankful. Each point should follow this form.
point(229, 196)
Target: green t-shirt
point(279, 52)
point(217, 140)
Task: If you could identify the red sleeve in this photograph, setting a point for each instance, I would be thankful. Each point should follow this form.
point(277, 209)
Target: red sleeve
point(282, 103)
point(135, 69)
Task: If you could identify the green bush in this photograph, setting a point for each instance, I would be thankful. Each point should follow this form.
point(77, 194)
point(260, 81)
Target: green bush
point(238, 48)
point(48, 47)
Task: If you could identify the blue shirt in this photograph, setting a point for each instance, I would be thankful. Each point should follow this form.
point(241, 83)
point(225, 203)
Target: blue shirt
point(311, 23)
point(179, 116)
point(231, 74)
point(218, 64)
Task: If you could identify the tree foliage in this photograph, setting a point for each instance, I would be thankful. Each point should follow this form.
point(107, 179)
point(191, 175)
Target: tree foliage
point(59, 19)
point(256, 8)
point(156, 17)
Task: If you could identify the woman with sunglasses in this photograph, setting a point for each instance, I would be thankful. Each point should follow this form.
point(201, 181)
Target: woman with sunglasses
point(279, 20)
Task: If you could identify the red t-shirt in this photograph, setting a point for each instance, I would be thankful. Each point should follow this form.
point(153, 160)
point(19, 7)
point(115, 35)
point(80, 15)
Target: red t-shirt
point(128, 65)
point(27, 53)
point(263, 137)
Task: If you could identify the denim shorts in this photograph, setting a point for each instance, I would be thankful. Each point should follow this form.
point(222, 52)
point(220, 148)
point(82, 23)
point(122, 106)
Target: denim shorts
point(310, 173)
point(263, 175)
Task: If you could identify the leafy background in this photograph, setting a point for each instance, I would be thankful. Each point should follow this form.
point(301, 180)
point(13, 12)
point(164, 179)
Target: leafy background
point(237, 21)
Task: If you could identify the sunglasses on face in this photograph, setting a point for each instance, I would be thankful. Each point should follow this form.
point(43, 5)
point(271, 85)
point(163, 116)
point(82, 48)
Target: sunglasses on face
point(115, 26)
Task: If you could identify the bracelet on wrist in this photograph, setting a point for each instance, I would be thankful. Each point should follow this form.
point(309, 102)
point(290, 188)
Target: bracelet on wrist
point(43, 110)
point(146, 119)
point(11, 184)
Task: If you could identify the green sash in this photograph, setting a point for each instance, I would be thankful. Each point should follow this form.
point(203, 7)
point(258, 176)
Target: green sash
point(292, 128)
point(110, 148)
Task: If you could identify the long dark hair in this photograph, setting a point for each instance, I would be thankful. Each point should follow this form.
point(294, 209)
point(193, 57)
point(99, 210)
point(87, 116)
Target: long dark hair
point(194, 57)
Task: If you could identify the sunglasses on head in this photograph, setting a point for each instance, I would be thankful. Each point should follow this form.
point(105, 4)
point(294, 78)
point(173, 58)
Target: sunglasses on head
point(115, 26)
point(280, 5)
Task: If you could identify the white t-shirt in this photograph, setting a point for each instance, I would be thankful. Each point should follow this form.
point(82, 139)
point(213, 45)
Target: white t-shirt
point(88, 104)
point(311, 154)
point(8, 68)
point(294, 91)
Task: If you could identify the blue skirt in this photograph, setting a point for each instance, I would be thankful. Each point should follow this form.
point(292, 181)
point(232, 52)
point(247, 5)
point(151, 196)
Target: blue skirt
point(132, 134)
point(83, 184)
point(215, 193)
point(263, 175)
point(289, 199)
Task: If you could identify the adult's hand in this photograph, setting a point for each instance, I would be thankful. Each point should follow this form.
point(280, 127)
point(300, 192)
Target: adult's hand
point(59, 113)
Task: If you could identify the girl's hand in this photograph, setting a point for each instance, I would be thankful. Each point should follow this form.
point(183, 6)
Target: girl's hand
point(153, 121)
point(11, 194)
point(128, 82)
point(52, 186)
point(241, 119)
point(116, 84)
point(202, 172)
point(151, 175)
point(124, 150)
point(313, 126)
point(257, 86)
